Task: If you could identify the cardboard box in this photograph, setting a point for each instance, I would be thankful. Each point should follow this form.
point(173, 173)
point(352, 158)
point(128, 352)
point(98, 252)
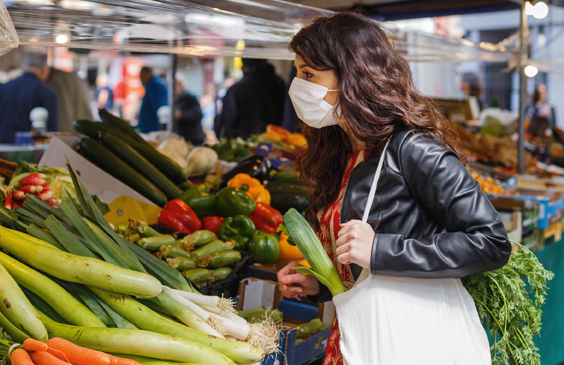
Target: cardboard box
point(97, 181)
point(254, 293)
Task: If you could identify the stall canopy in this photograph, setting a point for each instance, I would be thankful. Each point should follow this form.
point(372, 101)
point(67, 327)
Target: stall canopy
point(247, 28)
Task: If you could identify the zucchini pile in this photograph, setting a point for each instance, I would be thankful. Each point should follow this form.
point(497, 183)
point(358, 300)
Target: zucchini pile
point(200, 256)
point(115, 147)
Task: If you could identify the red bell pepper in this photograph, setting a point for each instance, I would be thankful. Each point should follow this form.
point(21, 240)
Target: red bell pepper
point(184, 214)
point(266, 218)
point(168, 219)
point(212, 223)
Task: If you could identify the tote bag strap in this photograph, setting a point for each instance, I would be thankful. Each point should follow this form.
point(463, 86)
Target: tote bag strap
point(365, 272)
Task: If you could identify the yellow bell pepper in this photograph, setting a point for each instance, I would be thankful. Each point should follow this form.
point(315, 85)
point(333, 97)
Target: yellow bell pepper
point(287, 251)
point(295, 139)
point(255, 191)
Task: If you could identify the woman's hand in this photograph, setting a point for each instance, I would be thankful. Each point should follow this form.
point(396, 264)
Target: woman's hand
point(293, 284)
point(354, 243)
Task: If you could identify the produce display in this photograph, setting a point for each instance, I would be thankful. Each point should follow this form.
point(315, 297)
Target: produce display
point(123, 289)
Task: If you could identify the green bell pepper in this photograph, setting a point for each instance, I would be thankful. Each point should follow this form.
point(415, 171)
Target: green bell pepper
point(239, 228)
point(233, 201)
point(199, 198)
point(264, 247)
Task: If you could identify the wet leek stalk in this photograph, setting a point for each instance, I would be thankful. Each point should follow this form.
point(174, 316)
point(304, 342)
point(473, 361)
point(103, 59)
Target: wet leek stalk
point(310, 246)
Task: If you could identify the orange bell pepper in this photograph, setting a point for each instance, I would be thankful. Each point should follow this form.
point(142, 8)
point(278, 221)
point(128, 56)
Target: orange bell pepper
point(287, 251)
point(256, 191)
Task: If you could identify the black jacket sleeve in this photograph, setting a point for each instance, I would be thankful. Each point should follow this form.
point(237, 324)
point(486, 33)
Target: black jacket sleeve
point(475, 239)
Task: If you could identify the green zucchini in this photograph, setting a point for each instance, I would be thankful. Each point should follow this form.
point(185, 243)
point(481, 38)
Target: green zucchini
point(15, 306)
point(225, 258)
point(119, 123)
point(79, 269)
point(133, 158)
point(213, 246)
point(155, 243)
point(105, 159)
point(181, 263)
point(307, 329)
point(93, 129)
point(222, 273)
point(198, 275)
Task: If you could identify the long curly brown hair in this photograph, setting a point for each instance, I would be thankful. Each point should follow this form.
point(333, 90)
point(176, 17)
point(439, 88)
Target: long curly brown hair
point(377, 97)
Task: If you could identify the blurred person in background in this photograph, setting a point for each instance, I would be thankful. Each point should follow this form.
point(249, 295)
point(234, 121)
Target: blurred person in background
point(104, 93)
point(252, 103)
point(20, 96)
point(72, 98)
point(471, 86)
point(539, 109)
point(155, 97)
point(188, 115)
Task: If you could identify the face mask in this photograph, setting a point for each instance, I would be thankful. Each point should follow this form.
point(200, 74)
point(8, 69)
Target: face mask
point(307, 98)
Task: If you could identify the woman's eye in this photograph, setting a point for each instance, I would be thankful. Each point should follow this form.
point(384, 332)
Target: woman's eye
point(308, 75)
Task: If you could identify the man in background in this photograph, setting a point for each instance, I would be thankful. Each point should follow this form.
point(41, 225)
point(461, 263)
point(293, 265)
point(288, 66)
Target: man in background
point(154, 98)
point(252, 103)
point(188, 115)
point(72, 98)
point(20, 96)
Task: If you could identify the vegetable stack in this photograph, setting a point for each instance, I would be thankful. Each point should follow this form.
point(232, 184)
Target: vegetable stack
point(119, 287)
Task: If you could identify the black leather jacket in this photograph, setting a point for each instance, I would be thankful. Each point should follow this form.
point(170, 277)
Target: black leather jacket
point(424, 190)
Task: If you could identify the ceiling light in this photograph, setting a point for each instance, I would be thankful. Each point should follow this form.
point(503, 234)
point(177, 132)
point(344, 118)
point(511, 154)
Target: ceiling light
point(531, 71)
point(540, 10)
point(62, 38)
point(529, 8)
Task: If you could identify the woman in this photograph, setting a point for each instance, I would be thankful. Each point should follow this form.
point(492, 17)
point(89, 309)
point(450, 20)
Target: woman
point(539, 109)
point(354, 92)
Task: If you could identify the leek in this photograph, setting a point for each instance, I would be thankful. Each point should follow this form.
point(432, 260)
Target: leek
point(310, 246)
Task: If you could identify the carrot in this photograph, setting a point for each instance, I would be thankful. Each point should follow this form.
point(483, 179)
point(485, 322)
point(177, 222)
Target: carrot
point(116, 360)
point(75, 354)
point(45, 358)
point(20, 357)
point(31, 344)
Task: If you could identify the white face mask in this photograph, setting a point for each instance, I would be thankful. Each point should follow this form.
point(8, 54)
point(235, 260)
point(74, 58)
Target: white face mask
point(310, 107)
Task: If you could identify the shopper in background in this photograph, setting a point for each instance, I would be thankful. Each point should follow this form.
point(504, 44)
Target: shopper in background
point(72, 98)
point(429, 222)
point(539, 109)
point(19, 96)
point(155, 97)
point(188, 115)
point(471, 86)
point(252, 103)
point(104, 93)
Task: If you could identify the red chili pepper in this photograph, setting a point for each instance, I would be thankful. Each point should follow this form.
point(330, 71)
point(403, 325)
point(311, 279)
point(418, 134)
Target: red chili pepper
point(8, 201)
point(168, 219)
point(212, 223)
point(266, 218)
point(184, 214)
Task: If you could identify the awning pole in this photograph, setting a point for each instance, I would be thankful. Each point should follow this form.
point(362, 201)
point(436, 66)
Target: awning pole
point(523, 58)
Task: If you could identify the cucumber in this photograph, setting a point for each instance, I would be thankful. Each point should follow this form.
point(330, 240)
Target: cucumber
point(107, 161)
point(93, 129)
point(134, 158)
point(79, 269)
point(15, 306)
point(165, 164)
point(119, 123)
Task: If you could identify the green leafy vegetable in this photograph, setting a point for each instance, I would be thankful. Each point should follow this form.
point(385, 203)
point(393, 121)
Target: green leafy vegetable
point(509, 303)
point(5, 343)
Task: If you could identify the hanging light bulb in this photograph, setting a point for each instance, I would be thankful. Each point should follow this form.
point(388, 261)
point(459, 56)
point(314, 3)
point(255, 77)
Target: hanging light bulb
point(529, 8)
point(540, 10)
point(62, 38)
point(531, 71)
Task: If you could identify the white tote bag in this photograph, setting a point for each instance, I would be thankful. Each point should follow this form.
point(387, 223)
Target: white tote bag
point(392, 320)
